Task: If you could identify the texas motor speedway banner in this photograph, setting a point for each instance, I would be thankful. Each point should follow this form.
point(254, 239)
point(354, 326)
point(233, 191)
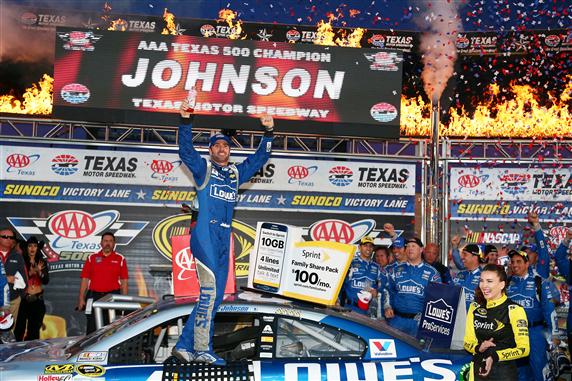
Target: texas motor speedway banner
point(142, 78)
point(68, 197)
point(493, 202)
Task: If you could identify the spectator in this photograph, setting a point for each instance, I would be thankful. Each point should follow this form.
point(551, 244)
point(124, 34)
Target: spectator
point(33, 308)
point(104, 272)
point(381, 256)
point(431, 256)
point(407, 288)
point(535, 296)
point(491, 254)
point(15, 269)
point(365, 278)
point(496, 331)
point(564, 264)
point(472, 257)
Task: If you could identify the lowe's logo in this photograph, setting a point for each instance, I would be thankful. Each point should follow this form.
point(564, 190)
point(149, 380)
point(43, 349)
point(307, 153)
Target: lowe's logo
point(439, 310)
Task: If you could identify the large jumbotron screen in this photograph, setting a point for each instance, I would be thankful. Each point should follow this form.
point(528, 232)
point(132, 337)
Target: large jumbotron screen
point(141, 78)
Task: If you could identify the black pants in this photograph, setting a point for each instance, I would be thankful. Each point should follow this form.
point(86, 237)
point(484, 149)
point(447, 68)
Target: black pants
point(30, 317)
point(90, 318)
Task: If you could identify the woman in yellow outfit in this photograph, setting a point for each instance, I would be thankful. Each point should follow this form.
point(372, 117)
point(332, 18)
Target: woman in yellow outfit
point(497, 329)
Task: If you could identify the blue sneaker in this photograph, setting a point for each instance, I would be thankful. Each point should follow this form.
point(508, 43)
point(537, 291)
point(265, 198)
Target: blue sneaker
point(208, 357)
point(183, 354)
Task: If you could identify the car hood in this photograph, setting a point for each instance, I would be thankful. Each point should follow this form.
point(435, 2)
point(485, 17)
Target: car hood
point(37, 350)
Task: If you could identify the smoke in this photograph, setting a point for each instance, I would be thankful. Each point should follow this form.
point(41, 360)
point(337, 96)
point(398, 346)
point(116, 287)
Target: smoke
point(18, 44)
point(439, 23)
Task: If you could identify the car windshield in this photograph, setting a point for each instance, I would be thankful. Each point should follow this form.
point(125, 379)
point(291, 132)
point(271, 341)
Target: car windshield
point(110, 329)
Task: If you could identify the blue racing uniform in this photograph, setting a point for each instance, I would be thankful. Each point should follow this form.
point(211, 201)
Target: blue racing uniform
point(469, 280)
point(542, 265)
point(407, 292)
point(563, 263)
point(4, 288)
point(217, 192)
point(363, 275)
point(534, 295)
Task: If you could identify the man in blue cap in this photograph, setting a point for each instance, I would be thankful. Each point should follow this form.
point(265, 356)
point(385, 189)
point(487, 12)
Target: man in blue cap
point(216, 182)
point(472, 257)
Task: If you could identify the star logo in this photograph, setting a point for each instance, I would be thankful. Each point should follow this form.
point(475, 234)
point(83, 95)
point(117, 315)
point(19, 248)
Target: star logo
point(281, 200)
point(141, 195)
point(90, 24)
point(178, 30)
point(264, 35)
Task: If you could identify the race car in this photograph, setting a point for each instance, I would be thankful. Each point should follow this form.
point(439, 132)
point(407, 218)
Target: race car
point(262, 339)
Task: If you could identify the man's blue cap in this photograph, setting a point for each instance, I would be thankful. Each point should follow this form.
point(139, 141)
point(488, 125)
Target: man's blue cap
point(530, 246)
point(218, 136)
point(398, 243)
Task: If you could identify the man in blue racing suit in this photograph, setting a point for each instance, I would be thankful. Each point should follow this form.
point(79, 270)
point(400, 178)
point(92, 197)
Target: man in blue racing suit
point(407, 288)
point(364, 276)
point(534, 294)
point(564, 264)
point(217, 183)
point(472, 256)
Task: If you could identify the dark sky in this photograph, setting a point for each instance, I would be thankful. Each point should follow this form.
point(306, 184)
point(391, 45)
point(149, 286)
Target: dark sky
point(500, 15)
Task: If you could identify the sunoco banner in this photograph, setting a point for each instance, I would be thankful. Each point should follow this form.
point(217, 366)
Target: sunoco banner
point(140, 73)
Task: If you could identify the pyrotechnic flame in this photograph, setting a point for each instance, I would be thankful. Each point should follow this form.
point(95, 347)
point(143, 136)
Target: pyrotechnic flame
point(228, 16)
point(325, 33)
point(119, 25)
point(521, 117)
point(353, 40)
point(37, 99)
point(169, 18)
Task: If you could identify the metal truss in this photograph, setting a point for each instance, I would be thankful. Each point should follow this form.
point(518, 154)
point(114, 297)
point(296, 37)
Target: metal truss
point(65, 131)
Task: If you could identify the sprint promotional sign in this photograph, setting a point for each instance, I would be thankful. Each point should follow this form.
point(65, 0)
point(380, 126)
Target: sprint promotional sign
point(283, 263)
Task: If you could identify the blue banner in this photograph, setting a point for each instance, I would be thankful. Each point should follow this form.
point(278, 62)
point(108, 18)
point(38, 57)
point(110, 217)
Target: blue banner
point(438, 319)
point(13, 190)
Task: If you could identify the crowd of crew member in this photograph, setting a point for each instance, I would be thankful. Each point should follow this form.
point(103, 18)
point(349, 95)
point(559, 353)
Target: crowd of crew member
point(389, 283)
point(386, 283)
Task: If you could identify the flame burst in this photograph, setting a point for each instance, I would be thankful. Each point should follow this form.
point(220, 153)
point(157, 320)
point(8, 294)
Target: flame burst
point(119, 25)
point(353, 40)
point(169, 18)
point(521, 117)
point(228, 16)
point(37, 99)
point(325, 33)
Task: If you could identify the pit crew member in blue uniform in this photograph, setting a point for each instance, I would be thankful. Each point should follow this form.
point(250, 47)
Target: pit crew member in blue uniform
point(364, 275)
point(407, 288)
point(538, 257)
point(217, 183)
point(472, 256)
point(564, 264)
point(535, 296)
point(397, 248)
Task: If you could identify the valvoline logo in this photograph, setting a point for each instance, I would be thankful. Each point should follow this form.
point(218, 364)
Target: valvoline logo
point(340, 231)
point(72, 224)
point(17, 161)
